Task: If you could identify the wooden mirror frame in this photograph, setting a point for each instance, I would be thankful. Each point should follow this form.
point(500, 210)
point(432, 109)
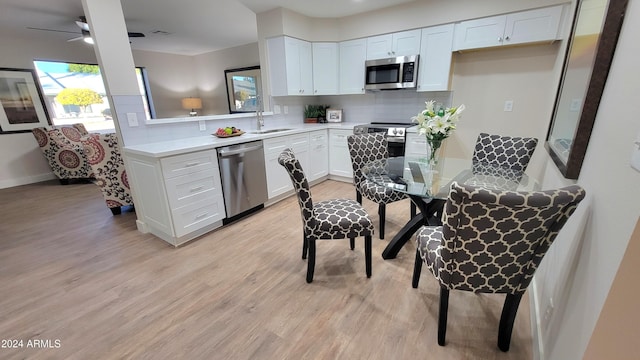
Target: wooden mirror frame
point(604, 51)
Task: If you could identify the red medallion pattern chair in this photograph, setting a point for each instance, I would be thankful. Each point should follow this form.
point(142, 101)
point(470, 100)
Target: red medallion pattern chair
point(328, 219)
point(63, 150)
point(104, 157)
point(492, 241)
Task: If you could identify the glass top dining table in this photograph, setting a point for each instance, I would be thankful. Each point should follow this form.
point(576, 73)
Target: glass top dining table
point(428, 189)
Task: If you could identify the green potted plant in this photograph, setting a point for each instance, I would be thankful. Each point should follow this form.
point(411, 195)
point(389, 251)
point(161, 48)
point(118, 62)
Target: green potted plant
point(311, 114)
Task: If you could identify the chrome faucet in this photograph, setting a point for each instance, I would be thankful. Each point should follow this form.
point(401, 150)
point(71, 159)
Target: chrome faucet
point(259, 116)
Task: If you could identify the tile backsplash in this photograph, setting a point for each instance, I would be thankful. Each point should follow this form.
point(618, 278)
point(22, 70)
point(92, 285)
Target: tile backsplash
point(381, 106)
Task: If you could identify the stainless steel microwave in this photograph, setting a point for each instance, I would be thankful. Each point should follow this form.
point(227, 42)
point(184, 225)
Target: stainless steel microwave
point(391, 73)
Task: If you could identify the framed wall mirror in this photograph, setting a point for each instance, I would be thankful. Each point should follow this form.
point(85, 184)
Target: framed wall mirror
point(590, 50)
point(244, 86)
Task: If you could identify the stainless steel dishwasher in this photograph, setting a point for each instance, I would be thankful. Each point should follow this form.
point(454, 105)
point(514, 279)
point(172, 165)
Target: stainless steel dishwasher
point(244, 181)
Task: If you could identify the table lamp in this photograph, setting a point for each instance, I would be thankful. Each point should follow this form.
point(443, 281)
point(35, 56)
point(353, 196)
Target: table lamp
point(193, 104)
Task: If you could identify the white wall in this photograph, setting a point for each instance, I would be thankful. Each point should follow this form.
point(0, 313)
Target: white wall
point(599, 232)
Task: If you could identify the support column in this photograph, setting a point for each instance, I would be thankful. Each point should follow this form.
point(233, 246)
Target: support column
point(111, 44)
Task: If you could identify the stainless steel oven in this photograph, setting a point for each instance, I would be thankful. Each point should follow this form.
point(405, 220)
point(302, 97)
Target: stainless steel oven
point(395, 134)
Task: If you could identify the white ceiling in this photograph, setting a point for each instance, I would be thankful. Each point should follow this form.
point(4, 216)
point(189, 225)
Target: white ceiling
point(193, 26)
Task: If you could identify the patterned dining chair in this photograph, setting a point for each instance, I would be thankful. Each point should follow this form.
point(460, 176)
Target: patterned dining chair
point(329, 219)
point(492, 242)
point(503, 151)
point(63, 150)
point(363, 149)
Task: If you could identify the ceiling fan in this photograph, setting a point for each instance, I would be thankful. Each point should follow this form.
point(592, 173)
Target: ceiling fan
point(84, 31)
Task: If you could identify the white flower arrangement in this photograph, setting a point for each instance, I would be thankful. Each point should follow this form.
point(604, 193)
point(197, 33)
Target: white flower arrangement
point(437, 125)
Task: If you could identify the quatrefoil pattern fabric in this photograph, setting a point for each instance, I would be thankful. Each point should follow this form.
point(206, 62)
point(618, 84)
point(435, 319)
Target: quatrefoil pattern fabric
point(504, 151)
point(493, 241)
point(329, 219)
point(364, 149)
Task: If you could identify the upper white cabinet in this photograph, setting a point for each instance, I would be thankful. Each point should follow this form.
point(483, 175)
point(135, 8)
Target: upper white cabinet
point(511, 29)
point(325, 68)
point(353, 54)
point(290, 66)
point(390, 45)
point(435, 58)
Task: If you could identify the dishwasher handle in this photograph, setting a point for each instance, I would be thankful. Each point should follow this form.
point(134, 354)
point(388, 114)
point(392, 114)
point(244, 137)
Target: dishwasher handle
point(242, 150)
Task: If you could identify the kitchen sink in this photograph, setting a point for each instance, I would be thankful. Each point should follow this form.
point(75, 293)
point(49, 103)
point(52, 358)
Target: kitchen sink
point(268, 131)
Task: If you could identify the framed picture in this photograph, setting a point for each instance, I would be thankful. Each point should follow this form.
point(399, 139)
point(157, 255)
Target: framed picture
point(334, 115)
point(244, 86)
point(22, 103)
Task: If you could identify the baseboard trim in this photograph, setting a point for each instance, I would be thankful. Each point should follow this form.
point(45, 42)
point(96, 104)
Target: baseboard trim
point(26, 180)
point(537, 345)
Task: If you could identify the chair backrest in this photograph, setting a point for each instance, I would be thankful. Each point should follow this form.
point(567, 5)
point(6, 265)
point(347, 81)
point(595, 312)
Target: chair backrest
point(504, 151)
point(493, 241)
point(105, 159)
point(364, 148)
point(288, 160)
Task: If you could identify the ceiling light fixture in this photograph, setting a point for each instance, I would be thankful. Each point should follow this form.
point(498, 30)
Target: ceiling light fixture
point(86, 37)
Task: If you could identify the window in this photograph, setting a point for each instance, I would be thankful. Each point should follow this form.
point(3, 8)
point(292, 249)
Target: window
point(75, 92)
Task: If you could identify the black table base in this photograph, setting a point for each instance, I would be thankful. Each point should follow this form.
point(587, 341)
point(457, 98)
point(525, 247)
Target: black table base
point(425, 217)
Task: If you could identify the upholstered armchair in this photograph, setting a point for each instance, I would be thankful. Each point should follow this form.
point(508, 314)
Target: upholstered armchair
point(105, 159)
point(64, 152)
point(492, 242)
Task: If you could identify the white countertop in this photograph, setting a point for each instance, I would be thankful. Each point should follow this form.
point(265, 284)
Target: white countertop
point(186, 145)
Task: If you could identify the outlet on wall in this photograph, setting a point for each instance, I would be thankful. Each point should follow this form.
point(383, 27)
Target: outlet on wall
point(508, 105)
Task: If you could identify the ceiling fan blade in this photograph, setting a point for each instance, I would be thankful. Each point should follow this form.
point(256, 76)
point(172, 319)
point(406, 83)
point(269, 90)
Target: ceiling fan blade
point(61, 31)
point(82, 25)
point(76, 38)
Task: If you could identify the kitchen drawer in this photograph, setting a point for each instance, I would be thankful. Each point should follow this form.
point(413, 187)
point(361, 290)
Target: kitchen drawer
point(275, 145)
point(197, 215)
point(189, 163)
point(186, 189)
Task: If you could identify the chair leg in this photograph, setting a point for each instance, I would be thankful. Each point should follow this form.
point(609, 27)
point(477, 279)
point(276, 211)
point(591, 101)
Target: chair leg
point(311, 263)
point(509, 311)
point(116, 210)
point(381, 211)
point(358, 197)
point(414, 210)
point(352, 243)
point(367, 254)
point(417, 270)
point(442, 315)
point(304, 247)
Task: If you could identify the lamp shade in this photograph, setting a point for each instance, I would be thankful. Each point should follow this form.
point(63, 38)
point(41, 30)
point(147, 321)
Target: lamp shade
point(191, 103)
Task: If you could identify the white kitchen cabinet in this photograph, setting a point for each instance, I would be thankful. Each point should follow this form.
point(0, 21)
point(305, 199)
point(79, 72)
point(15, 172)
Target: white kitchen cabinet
point(402, 43)
point(290, 66)
point(278, 180)
point(352, 57)
point(517, 28)
point(434, 66)
point(318, 155)
point(180, 196)
point(339, 158)
point(325, 68)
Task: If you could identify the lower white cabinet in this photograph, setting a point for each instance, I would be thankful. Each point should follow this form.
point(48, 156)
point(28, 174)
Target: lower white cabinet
point(339, 158)
point(179, 197)
point(318, 155)
point(278, 181)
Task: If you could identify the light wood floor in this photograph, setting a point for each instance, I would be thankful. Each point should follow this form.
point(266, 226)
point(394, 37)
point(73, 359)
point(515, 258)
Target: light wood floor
point(70, 271)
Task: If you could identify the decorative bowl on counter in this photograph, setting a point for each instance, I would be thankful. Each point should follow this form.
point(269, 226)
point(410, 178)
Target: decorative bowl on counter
point(228, 132)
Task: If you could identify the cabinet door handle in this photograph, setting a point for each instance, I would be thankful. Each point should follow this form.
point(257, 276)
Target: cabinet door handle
point(500, 39)
point(197, 188)
point(507, 38)
point(200, 216)
point(192, 164)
